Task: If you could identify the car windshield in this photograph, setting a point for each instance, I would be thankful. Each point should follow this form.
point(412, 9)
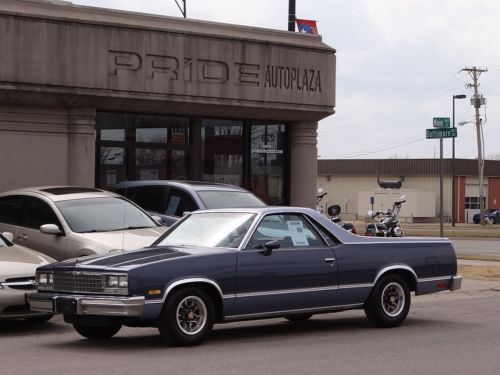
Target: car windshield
point(225, 229)
point(103, 214)
point(228, 199)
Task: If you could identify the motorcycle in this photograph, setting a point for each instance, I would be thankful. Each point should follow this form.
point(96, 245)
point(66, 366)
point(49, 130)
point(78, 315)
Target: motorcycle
point(334, 212)
point(388, 224)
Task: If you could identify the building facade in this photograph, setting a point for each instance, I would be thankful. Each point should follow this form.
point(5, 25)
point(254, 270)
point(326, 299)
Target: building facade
point(92, 97)
point(352, 183)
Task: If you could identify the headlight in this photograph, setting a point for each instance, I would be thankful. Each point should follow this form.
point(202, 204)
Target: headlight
point(117, 284)
point(44, 280)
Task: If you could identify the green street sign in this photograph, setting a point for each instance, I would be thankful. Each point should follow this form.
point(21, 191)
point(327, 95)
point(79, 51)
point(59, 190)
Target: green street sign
point(441, 133)
point(441, 122)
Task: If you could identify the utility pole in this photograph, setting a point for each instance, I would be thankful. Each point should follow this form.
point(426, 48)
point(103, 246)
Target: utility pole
point(477, 100)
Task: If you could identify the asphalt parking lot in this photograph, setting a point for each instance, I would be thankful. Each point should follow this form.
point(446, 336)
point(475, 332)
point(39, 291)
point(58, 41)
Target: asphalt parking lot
point(444, 333)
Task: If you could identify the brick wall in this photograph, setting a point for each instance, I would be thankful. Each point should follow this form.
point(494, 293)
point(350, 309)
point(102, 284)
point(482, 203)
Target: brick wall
point(494, 192)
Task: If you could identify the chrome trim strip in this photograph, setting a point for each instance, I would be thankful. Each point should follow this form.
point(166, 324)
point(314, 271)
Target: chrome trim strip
point(354, 286)
point(290, 312)
point(285, 291)
point(395, 267)
point(161, 301)
point(192, 280)
point(404, 240)
point(428, 279)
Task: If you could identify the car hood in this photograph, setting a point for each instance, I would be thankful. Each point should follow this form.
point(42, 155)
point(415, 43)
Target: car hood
point(130, 239)
point(18, 261)
point(131, 259)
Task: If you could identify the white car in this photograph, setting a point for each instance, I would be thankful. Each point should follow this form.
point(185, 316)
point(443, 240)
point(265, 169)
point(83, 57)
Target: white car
point(67, 222)
point(17, 277)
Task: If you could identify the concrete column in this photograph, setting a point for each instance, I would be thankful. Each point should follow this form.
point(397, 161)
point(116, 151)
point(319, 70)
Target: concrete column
point(303, 164)
point(81, 147)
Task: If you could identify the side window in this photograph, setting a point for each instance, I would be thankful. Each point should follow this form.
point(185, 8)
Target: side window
point(127, 192)
point(330, 239)
point(37, 213)
point(290, 230)
point(151, 198)
point(179, 202)
point(11, 209)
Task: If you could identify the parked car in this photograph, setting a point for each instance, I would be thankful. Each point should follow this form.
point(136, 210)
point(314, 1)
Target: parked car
point(171, 199)
point(65, 222)
point(17, 276)
point(492, 214)
point(237, 264)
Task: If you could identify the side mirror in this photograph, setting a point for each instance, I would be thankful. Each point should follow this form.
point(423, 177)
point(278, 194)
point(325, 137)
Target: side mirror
point(50, 229)
point(270, 246)
point(9, 236)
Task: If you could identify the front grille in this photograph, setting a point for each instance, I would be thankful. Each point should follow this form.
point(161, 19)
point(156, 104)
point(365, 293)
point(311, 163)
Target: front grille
point(79, 282)
point(22, 283)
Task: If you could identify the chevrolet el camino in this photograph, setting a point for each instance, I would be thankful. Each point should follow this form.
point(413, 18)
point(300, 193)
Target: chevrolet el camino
point(227, 265)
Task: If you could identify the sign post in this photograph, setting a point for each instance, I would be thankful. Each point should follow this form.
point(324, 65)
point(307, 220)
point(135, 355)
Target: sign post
point(441, 130)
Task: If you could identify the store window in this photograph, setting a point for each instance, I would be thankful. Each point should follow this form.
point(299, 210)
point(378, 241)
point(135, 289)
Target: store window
point(141, 147)
point(250, 154)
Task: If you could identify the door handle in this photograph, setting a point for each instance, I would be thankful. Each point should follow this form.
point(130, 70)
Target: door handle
point(329, 260)
point(22, 237)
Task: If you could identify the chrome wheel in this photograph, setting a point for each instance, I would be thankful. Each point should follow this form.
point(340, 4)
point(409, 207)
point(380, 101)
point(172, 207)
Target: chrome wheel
point(191, 315)
point(389, 302)
point(393, 299)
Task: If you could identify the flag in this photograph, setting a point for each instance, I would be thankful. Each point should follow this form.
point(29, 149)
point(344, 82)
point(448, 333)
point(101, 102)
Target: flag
point(307, 26)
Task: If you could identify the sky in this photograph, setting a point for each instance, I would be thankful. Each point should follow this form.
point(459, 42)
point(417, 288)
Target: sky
point(399, 64)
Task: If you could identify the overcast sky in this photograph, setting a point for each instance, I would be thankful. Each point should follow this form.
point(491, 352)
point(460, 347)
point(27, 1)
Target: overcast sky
point(398, 64)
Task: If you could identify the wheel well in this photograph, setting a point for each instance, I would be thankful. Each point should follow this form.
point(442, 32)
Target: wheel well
point(405, 275)
point(211, 291)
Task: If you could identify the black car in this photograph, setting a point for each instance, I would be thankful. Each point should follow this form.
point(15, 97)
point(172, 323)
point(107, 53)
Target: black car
point(238, 264)
point(491, 214)
point(169, 199)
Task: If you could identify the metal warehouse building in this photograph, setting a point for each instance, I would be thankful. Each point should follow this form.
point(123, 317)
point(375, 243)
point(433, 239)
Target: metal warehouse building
point(352, 183)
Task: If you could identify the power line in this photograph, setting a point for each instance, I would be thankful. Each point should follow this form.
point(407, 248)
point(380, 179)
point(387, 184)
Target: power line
point(411, 103)
point(390, 147)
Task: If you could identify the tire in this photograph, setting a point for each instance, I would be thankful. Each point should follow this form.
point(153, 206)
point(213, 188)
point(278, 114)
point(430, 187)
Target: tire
point(299, 318)
point(389, 302)
point(97, 332)
point(39, 319)
point(187, 317)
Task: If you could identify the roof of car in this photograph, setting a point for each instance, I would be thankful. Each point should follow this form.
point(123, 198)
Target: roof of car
point(195, 185)
point(62, 193)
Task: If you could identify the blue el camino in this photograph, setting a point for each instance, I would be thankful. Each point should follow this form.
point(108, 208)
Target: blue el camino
point(226, 265)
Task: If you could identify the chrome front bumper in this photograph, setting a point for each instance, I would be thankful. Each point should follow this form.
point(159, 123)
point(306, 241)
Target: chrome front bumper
point(86, 305)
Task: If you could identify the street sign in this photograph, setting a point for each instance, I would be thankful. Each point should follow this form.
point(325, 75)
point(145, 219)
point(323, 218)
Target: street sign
point(441, 133)
point(441, 122)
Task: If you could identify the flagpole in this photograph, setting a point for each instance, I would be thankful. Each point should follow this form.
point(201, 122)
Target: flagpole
point(291, 15)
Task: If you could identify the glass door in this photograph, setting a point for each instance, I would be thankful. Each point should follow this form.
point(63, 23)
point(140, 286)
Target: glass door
point(267, 162)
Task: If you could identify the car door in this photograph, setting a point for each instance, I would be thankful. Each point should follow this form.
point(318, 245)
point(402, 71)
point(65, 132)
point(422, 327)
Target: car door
point(36, 212)
point(299, 275)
